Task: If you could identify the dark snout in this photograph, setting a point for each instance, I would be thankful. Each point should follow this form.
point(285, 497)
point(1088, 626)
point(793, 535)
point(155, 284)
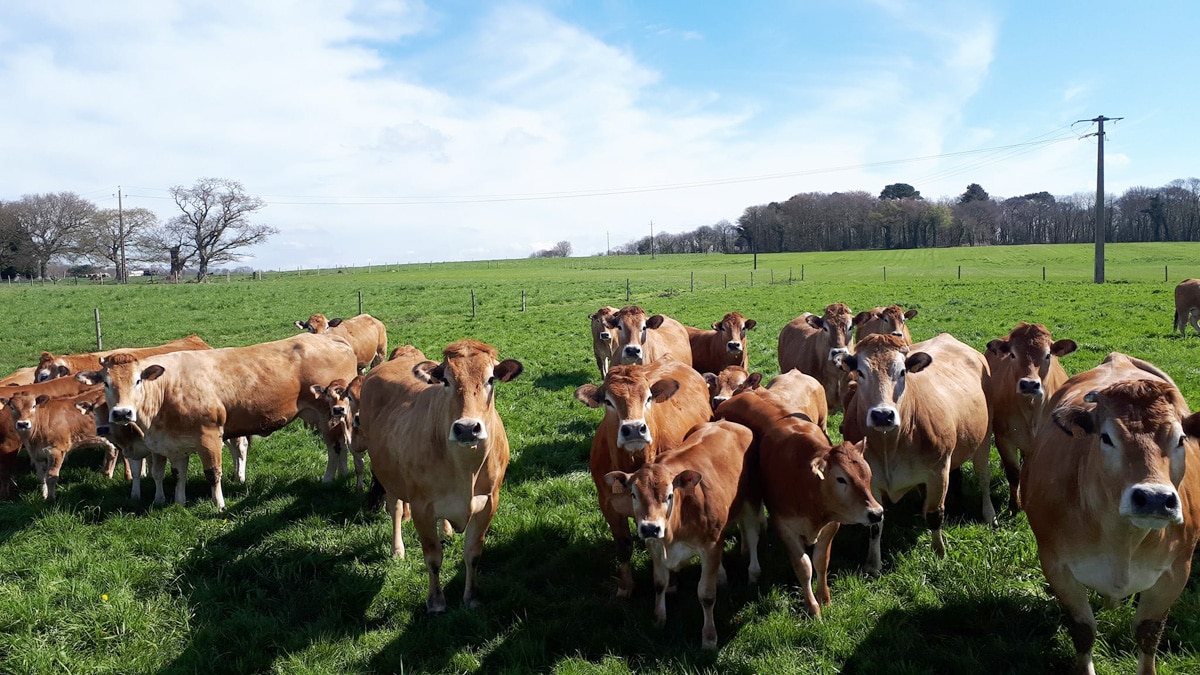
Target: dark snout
point(650, 531)
point(1029, 387)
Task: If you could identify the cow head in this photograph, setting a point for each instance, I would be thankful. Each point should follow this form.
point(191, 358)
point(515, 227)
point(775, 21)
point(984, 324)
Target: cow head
point(628, 393)
point(124, 378)
point(23, 406)
point(845, 479)
point(1032, 352)
point(890, 320)
point(729, 381)
point(317, 323)
point(50, 367)
point(733, 328)
point(334, 398)
point(652, 490)
point(1143, 434)
point(469, 372)
point(630, 325)
point(883, 365)
point(601, 331)
point(836, 324)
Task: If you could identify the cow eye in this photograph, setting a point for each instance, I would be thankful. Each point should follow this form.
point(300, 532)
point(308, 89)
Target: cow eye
point(1182, 439)
point(491, 381)
point(1105, 438)
point(1047, 358)
point(609, 403)
point(670, 497)
point(841, 480)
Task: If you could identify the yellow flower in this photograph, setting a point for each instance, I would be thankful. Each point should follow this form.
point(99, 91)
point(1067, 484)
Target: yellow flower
point(104, 597)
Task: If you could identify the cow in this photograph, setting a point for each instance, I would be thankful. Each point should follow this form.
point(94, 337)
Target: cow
point(444, 453)
point(191, 402)
point(1187, 305)
point(602, 338)
point(51, 428)
point(814, 345)
point(647, 410)
point(1025, 374)
point(337, 430)
point(801, 393)
point(722, 385)
point(640, 340)
point(51, 366)
point(810, 486)
point(724, 345)
point(366, 334)
point(682, 502)
point(403, 386)
point(18, 377)
point(919, 428)
point(1112, 492)
point(10, 440)
point(890, 320)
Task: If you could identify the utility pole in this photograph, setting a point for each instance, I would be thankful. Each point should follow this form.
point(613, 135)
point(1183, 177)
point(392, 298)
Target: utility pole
point(122, 276)
point(607, 243)
point(1099, 120)
point(652, 240)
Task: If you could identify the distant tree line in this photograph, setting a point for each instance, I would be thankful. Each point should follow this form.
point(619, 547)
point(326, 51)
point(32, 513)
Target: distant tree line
point(560, 250)
point(213, 227)
point(899, 217)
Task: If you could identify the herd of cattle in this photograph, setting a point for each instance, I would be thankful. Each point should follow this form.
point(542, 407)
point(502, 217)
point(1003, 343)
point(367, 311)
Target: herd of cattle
point(1104, 463)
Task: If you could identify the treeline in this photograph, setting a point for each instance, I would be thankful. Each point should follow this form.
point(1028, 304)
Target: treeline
point(900, 218)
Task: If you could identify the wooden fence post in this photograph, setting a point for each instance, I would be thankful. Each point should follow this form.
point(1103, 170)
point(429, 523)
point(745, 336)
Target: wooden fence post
point(726, 282)
point(751, 278)
point(802, 273)
point(360, 302)
point(626, 289)
point(1165, 277)
point(99, 339)
point(522, 300)
point(960, 272)
point(693, 281)
point(472, 303)
point(1043, 272)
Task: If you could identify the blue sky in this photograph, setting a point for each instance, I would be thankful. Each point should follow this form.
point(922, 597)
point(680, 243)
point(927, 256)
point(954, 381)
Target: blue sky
point(397, 131)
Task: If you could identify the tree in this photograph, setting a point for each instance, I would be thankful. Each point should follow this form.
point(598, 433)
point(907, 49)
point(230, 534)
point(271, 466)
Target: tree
point(560, 250)
point(111, 232)
point(899, 191)
point(54, 224)
point(16, 250)
point(974, 193)
point(215, 220)
point(169, 243)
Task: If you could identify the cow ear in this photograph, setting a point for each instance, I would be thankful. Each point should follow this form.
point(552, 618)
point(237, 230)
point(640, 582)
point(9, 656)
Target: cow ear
point(815, 321)
point(317, 390)
point(3, 403)
point(508, 370)
point(152, 373)
point(593, 315)
point(753, 381)
point(750, 324)
point(915, 363)
point(710, 379)
point(655, 321)
point(717, 326)
point(41, 400)
point(686, 479)
point(90, 377)
point(61, 371)
point(860, 318)
point(334, 323)
point(612, 321)
point(1075, 421)
point(849, 363)
point(300, 325)
point(910, 314)
point(589, 395)
point(1063, 347)
point(429, 372)
point(819, 464)
point(339, 392)
point(860, 448)
point(618, 481)
point(664, 389)
point(1191, 425)
point(85, 407)
point(998, 346)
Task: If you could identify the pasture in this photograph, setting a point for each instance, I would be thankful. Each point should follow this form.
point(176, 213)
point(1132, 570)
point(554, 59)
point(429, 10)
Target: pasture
point(295, 575)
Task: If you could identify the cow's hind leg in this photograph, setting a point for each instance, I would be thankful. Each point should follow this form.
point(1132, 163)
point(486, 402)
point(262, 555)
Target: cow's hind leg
point(1010, 459)
point(239, 447)
point(483, 508)
point(179, 466)
point(983, 474)
point(395, 509)
point(793, 541)
point(935, 507)
point(425, 521)
point(706, 590)
point(210, 459)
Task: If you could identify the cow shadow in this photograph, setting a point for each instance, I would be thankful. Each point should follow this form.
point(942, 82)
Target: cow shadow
point(571, 380)
point(556, 456)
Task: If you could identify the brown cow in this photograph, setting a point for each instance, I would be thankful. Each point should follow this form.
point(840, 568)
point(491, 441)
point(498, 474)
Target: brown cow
point(190, 402)
point(648, 410)
point(801, 393)
point(682, 502)
point(814, 345)
point(51, 428)
point(51, 366)
point(731, 378)
point(602, 338)
point(10, 440)
point(1187, 305)
point(20, 376)
point(890, 320)
point(641, 340)
point(1025, 374)
point(337, 430)
point(1112, 491)
point(445, 453)
point(810, 487)
point(366, 334)
point(919, 428)
point(724, 345)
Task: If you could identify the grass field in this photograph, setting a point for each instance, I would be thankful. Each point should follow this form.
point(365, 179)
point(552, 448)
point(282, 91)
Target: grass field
point(295, 575)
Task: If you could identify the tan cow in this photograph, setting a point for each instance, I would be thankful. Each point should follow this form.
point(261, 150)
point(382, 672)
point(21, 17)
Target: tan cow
point(682, 502)
point(20, 376)
point(640, 340)
point(724, 345)
point(10, 440)
point(51, 366)
point(445, 453)
point(814, 345)
point(1025, 374)
point(602, 338)
point(1187, 305)
point(810, 487)
point(337, 430)
point(51, 428)
point(366, 334)
point(890, 320)
point(731, 378)
point(801, 393)
point(190, 402)
point(921, 427)
point(647, 410)
point(1112, 491)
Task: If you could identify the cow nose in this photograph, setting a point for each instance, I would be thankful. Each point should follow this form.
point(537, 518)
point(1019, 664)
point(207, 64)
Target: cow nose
point(733, 346)
point(650, 530)
point(632, 429)
point(1029, 386)
point(718, 400)
point(466, 430)
point(883, 417)
point(23, 425)
point(633, 351)
point(606, 336)
point(120, 415)
point(1154, 501)
point(875, 516)
point(897, 333)
point(837, 353)
point(339, 411)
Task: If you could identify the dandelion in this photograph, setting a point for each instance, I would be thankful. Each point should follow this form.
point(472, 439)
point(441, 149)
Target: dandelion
point(104, 597)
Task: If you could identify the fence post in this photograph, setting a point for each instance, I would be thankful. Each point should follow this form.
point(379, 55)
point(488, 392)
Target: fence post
point(626, 289)
point(228, 277)
point(472, 303)
point(99, 339)
point(802, 273)
point(360, 302)
point(885, 272)
point(789, 275)
point(772, 270)
point(726, 282)
point(960, 272)
point(522, 300)
point(1043, 272)
point(1165, 277)
point(693, 281)
point(751, 278)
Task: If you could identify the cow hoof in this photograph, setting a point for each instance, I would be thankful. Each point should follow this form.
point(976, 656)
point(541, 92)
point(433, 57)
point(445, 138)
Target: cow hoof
point(708, 643)
point(473, 603)
point(624, 592)
point(435, 607)
point(873, 572)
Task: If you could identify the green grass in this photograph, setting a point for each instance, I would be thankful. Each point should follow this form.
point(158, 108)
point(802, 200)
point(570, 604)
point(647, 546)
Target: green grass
point(295, 576)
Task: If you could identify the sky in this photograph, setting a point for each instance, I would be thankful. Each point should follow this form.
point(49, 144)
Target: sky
point(383, 131)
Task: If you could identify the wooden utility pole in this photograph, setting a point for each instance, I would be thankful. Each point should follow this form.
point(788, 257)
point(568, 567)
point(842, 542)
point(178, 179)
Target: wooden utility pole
point(122, 272)
point(1099, 120)
point(652, 240)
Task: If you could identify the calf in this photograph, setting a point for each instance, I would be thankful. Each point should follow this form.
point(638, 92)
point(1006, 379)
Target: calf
point(683, 501)
point(445, 452)
point(890, 320)
point(1112, 491)
point(10, 440)
point(337, 430)
point(51, 366)
point(801, 393)
point(602, 338)
point(921, 427)
point(641, 340)
point(810, 487)
point(1025, 375)
point(190, 402)
point(724, 345)
point(366, 334)
point(731, 378)
point(814, 345)
point(51, 428)
point(1187, 305)
point(648, 410)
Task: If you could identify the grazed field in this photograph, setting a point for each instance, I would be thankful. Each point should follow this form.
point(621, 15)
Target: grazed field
point(294, 576)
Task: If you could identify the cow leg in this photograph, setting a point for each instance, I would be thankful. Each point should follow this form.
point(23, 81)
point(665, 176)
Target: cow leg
point(1010, 459)
point(955, 494)
point(331, 462)
point(110, 461)
point(751, 526)
point(39, 470)
point(53, 468)
point(395, 509)
point(662, 579)
point(473, 536)
point(136, 468)
point(238, 449)
point(706, 590)
point(983, 474)
point(1193, 315)
point(1081, 622)
point(935, 508)
point(431, 546)
point(210, 459)
point(359, 469)
point(158, 470)
point(793, 541)
point(821, 560)
point(619, 525)
point(1153, 605)
point(179, 466)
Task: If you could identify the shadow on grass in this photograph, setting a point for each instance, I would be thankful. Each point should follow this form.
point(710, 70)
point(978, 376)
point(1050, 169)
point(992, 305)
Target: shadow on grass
point(564, 380)
point(554, 457)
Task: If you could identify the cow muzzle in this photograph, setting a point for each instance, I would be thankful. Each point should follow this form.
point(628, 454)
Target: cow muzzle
point(632, 353)
point(874, 516)
point(338, 411)
point(122, 416)
point(1029, 387)
point(1152, 505)
point(650, 529)
point(882, 417)
point(634, 435)
point(836, 354)
point(606, 336)
point(23, 425)
point(897, 333)
point(41, 375)
point(468, 431)
point(734, 346)
point(718, 400)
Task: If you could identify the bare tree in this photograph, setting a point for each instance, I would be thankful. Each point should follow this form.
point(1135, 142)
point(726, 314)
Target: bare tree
point(111, 232)
point(54, 224)
point(216, 219)
point(169, 243)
